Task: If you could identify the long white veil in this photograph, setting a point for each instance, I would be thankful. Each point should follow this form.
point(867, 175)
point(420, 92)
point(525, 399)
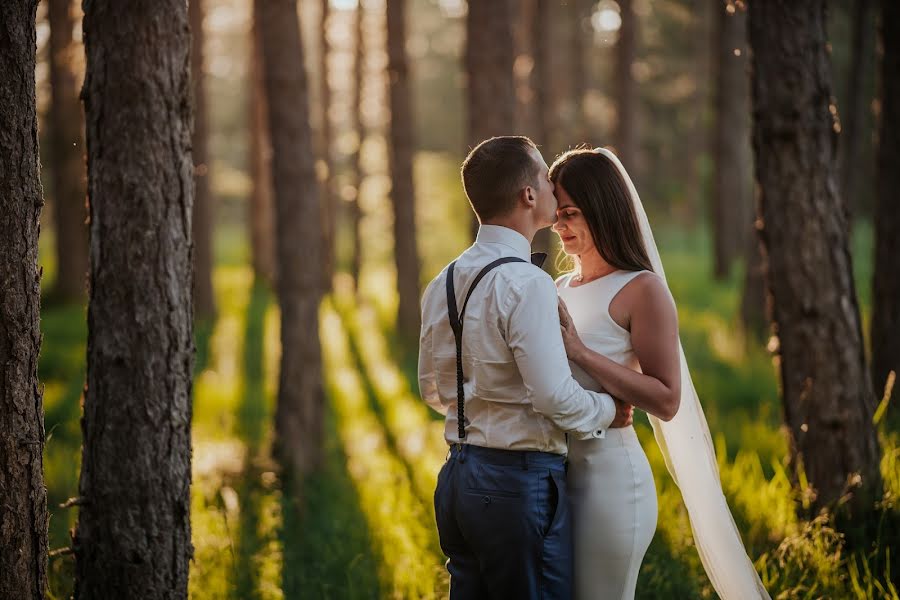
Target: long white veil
point(691, 459)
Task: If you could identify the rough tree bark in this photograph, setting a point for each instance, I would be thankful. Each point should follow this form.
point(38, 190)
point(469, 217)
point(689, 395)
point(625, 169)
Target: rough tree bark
point(854, 117)
point(489, 58)
point(828, 398)
point(204, 296)
point(886, 279)
point(359, 128)
point(626, 92)
point(67, 157)
point(400, 162)
point(23, 497)
point(300, 408)
point(261, 208)
point(732, 180)
point(134, 536)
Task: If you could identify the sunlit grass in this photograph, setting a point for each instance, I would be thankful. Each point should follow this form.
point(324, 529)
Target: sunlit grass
point(397, 519)
point(418, 438)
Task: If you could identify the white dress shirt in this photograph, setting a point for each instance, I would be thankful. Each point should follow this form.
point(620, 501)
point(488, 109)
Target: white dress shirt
point(519, 389)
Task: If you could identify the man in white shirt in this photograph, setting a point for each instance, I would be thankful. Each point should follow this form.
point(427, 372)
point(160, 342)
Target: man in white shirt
point(491, 336)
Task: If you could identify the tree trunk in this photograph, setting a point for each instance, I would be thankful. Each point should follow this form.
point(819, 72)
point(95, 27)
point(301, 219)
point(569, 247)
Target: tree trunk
point(545, 105)
point(582, 39)
point(134, 534)
point(23, 497)
point(828, 398)
point(329, 198)
point(489, 58)
point(524, 69)
point(204, 297)
point(400, 159)
point(261, 209)
point(854, 117)
point(626, 92)
point(359, 128)
point(732, 185)
point(67, 157)
point(886, 280)
point(300, 409)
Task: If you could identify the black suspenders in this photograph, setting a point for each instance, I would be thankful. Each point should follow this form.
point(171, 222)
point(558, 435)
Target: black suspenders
point(457, 318)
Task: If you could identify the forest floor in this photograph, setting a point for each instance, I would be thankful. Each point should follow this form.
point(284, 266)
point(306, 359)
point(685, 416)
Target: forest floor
point(363, 526)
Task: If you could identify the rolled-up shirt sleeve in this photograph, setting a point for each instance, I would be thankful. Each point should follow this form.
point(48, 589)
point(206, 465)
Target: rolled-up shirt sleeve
point(533, 334)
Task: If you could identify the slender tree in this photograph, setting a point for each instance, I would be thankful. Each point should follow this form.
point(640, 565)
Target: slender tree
point(23, 497)
point(862, 50)
point(329, 198)
point(359, 127)
point(524, 69)
point(202, 224)
point(67, 156)
point(626, 91)
point(580, 43)
point(261, 207)
point(489, 58)
point(544, 14)
point(134, 536)
point(828, 398)
point(886, 279)
point(400, 159)
point(732, 177)
point(300, 408)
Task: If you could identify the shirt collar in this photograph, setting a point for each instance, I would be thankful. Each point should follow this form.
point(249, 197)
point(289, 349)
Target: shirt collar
point(497, 234)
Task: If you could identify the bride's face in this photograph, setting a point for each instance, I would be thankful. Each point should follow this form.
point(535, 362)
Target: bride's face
point(571, 225)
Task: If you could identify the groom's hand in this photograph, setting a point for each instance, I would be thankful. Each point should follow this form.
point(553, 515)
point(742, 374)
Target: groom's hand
point(624, 414)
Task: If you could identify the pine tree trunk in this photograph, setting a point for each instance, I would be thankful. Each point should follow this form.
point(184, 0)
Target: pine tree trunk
point(886, 279)
point(261, 209)
point(23, 497)
point(67, 157)
point(400, 159)
point(489, 58)
point(828, 398)
point(134, 535)
point(524, 69)
point(626, 92)
point(300, 409)
point(545, 105)
point(329, 198)
point(732, 185)
point(359, 128)
point(582, 39)
point(202, 225)
point(854, 117)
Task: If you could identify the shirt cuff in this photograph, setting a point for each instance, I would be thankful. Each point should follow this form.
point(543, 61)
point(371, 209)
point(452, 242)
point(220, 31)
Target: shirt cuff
point(608, 414)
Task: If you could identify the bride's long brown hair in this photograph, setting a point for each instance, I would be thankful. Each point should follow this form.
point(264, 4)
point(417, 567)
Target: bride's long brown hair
point(597, 188)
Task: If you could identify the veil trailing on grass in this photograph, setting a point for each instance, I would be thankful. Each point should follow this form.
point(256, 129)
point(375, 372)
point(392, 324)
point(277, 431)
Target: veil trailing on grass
point(691, 459)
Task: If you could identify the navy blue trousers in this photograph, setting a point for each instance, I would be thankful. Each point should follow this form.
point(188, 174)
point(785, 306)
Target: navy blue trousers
point(505, 524)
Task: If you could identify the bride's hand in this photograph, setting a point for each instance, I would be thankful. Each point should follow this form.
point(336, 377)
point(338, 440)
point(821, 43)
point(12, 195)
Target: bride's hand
point(574, 346)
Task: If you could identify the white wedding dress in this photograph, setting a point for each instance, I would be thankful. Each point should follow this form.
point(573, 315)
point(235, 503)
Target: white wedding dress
point(610, 481)
point(686, 446)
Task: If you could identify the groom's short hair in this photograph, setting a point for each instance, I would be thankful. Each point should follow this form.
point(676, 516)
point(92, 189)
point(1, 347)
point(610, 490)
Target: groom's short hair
point(495, 171)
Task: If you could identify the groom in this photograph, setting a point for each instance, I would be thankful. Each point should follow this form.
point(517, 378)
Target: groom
point(491, 357)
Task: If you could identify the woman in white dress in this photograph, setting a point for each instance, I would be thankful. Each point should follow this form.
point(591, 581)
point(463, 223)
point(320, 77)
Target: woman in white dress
point(620, 328)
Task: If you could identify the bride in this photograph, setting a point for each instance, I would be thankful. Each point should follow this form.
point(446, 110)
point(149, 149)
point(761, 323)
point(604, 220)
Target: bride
point(621, 334)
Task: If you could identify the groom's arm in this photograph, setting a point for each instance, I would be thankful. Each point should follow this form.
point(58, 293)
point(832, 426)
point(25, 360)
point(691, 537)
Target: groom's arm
point(533, 335)
point(427, 375)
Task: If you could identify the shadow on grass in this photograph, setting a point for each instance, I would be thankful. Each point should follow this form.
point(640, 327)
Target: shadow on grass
point(325, 549)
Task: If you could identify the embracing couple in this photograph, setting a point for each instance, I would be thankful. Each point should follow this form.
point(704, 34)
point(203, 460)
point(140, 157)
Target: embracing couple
point(546, 492)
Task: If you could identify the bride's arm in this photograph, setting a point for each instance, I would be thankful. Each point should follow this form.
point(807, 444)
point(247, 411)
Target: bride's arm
point(654, 337)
